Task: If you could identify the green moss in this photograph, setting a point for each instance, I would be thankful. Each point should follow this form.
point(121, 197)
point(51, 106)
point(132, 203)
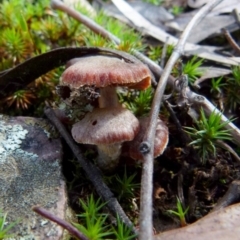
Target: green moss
point(37, 29)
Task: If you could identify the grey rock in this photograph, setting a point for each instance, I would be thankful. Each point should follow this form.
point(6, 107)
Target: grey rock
point(30, 174)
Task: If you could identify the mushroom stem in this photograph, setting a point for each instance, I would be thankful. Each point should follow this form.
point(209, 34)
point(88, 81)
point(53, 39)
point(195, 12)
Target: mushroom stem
point(108, 156)
point(108, 97)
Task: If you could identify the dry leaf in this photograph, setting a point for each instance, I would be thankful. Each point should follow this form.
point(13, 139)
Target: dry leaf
point(197, 3)
point(207, 27)
point(225, 6)
point(211, 72)
point(146, 27)
point(155, 14)
point(220, 225)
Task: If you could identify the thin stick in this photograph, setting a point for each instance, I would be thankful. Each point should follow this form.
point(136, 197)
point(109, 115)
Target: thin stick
point(231, 41)
point(164, 53)
point(92, 172)
point(235, 13)
point(56, 4)
point(180, 188)
point(208, 107)
point(231, 196)
point(229, 149)
point(184, 138)
point(71, 229)
point(145, 225)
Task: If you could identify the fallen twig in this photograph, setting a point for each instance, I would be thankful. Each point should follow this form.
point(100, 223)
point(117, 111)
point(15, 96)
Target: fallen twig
point(164, 53)
point(231, 41)
point(92, 172)
point(184, 138)
point(231, 196)
point(56, 4)
point(208, 108)
point(229, 149)
point(145, 228)
point(236, 16)
point(66, 225)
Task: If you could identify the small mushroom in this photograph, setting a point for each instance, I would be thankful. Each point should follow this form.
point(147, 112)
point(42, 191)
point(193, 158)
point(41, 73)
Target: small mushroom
point(107, 128)
point(106, 73)
point(110, 121)
point(131, 149)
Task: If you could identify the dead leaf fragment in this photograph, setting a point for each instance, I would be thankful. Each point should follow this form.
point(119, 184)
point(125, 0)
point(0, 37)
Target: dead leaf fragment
point(148, 28)
point(221, 225)
point(225, 6)
point(211, 72)
point(196, 3)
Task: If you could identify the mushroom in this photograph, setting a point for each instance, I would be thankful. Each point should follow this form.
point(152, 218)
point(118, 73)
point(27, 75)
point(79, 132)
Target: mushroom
point(107, 128)
point(131, 149)
point(105, 73)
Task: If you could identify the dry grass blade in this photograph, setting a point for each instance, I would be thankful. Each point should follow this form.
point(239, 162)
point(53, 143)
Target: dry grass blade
point(231, 41)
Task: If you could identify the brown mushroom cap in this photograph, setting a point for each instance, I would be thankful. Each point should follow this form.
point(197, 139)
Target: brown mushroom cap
point(103, 71)
point(131, 149)
point(106, 126)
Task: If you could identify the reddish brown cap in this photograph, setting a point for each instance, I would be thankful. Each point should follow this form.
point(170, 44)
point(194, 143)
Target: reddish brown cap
point(103, 71)
point(131, 149)
point(106, 126)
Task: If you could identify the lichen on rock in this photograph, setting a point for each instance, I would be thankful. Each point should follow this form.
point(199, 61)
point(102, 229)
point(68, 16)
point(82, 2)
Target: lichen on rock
point(30, 174)
point(11, 137)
